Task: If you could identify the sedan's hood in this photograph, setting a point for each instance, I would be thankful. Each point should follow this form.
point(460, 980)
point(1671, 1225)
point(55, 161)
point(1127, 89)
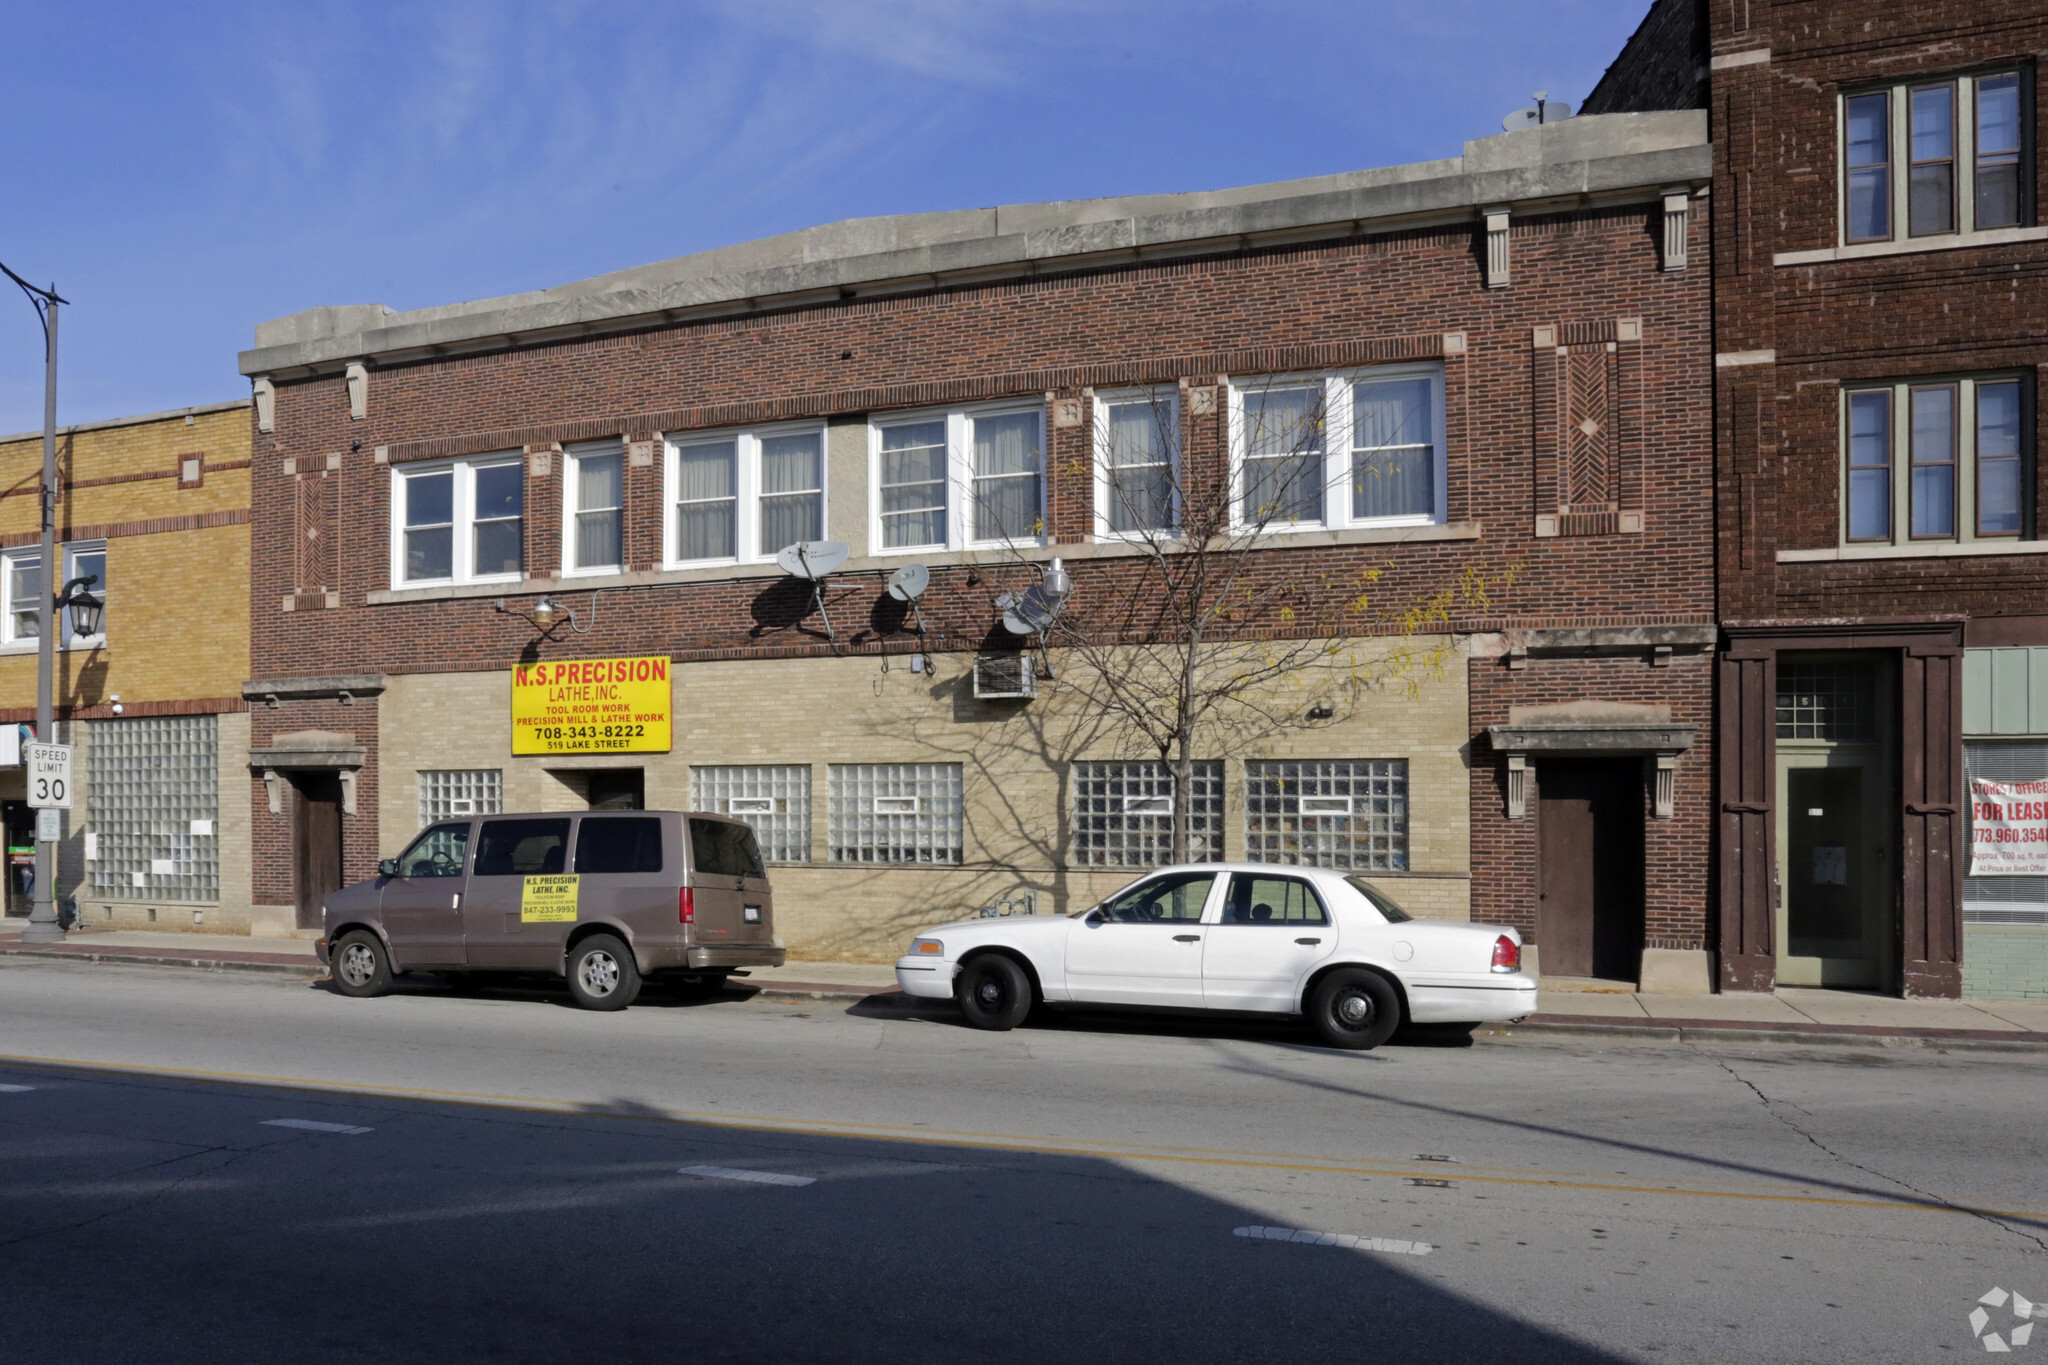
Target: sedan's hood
point(1005, 924)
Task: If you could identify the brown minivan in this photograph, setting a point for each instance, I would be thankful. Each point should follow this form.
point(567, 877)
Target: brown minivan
point(605, 899)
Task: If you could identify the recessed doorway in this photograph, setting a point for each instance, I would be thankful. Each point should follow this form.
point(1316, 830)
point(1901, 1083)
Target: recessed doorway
point(1589, 877)
point(617, 788)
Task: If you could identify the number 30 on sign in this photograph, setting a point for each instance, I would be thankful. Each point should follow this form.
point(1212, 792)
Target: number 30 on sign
point(49, 775)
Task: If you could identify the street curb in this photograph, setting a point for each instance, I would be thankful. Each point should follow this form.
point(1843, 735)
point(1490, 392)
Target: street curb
point(143, 957)
point(1731, 1031)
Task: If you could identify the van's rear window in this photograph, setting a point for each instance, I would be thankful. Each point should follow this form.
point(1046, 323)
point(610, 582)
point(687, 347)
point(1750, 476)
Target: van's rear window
point(618, 844)
point(725, 849)
point(515, 848)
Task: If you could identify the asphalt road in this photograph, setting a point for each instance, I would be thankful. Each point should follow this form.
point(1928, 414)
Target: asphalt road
point(1073, 1191)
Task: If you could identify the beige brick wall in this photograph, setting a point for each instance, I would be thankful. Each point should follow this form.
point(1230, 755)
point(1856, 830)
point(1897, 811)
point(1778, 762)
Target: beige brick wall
point(826, 711)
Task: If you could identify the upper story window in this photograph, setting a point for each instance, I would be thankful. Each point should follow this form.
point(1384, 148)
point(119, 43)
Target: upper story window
point(23, 588)
point(460, 522)
point(743, 495)
point(1936, 460)
point(1137, 462)
point(956, 479)
point(1936, 158)
point(593, 515)
point(1359, 448)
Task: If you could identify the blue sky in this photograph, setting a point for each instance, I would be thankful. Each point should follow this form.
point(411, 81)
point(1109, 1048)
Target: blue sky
point(185, 171)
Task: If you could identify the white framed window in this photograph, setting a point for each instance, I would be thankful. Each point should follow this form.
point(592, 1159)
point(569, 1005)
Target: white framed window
point(1339, 813)
point(773, 798)
point(1137, 462)
point(1123, 814)
point(896, 813)
point(451, 793)
point(958, 479)
point(1936, 158)
point(1936, 460)
point(740, 496)
point(1339, 449)
point(459, 521)
point(594, 507)
point(23, 588)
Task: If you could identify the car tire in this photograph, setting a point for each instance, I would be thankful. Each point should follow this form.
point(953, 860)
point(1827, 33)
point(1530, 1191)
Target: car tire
point(993, 992)
point(1354, 1008)
point(602, 974)
point(360, 966)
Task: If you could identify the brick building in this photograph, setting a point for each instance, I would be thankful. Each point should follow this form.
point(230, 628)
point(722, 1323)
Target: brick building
point(156, 509)
point(1877, 255)
point(636, 447)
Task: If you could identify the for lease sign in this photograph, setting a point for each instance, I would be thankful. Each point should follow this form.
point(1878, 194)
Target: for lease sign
point(591, 706)
point(2009, 828)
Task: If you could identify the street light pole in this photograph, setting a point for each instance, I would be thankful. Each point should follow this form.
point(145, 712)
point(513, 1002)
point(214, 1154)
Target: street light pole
point(43, 926)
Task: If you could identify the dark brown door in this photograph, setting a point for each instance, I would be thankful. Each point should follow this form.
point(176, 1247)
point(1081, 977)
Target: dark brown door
point(316, 842)
point(1589, 838)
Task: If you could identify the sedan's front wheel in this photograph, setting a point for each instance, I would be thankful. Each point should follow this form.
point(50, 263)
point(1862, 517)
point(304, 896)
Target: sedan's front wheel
point(993, 992)
point(1354, 1008)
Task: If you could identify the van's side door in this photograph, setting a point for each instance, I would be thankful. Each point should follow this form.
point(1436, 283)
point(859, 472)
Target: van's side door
point(620, 875)
point(510, 917)
point(422, 905)
point(728, 885)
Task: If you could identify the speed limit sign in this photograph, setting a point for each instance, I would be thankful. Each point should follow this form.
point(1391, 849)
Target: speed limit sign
point(49, 775)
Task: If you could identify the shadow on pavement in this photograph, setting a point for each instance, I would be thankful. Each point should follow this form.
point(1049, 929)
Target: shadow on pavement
point(187, 1231)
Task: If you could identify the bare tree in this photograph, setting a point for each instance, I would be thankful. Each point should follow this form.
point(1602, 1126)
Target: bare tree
point(1208, 631)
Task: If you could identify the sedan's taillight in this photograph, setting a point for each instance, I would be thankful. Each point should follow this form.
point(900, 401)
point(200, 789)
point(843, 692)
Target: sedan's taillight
point(1507, 954)
point(686, 907)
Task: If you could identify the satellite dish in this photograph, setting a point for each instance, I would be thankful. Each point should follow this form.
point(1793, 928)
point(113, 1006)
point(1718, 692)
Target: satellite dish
point(1545, 110)
point(1028, 612)
point(908, 583)
point(811, 559)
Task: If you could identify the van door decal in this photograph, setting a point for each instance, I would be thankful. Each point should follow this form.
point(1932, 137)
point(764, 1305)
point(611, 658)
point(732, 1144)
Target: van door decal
point(548, 900)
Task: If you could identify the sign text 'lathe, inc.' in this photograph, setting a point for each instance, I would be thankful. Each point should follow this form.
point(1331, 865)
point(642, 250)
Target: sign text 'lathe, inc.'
point(591, 706)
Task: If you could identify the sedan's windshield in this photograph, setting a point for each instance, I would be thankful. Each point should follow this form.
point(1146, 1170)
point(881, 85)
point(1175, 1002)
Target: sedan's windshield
point(1388, 907)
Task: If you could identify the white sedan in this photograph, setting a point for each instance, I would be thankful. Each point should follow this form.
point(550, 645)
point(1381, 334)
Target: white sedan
point(1232, 936)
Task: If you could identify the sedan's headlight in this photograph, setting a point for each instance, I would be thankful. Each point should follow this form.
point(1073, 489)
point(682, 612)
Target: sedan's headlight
point(927, 947)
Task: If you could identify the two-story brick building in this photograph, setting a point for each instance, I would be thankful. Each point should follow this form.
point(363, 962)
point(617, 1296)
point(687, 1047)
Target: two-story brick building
point(155, 509)
point(1882, 573)
point(636, 448)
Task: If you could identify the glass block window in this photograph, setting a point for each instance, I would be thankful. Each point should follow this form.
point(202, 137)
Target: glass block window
point(1123, 814)
point(2005, 900)
point(1827, 699)
point(774, 798)
point(896, 813)
point(1328, 812)
point(153, 803)
point(452, 793)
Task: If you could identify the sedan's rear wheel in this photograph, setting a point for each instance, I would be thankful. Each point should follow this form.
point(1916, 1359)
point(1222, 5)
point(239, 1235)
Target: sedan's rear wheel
point(1354, 1008)
point(602, 973)
point(993, 992)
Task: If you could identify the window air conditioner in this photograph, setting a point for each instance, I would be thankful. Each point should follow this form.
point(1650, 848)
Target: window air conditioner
point(999, 676)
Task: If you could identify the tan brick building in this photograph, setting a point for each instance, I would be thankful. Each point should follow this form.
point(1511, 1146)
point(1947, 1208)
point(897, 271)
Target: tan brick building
point(156, 508)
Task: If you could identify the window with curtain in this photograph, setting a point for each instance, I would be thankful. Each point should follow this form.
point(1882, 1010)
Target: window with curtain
point(707, 494)
point(1393, 453)
point(1941, 461)
point(1283, 455)
point(913, 484)
point(1009, 463)
point(1936, 158)
point(596, 486)
point(949, 480)
point(1138, 440)
point(792, 490)
point(745, 494)
point(1376, 433)
point(460, 522)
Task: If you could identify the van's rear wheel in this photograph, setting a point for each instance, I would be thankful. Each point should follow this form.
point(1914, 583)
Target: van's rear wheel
point(602, 974)
point(993, 992)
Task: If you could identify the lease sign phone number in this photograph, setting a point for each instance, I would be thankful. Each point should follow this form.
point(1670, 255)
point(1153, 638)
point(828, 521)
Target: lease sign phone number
point(591, 706)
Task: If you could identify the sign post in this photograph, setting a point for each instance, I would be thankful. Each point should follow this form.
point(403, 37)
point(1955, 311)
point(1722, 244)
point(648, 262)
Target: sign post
point(49, 775)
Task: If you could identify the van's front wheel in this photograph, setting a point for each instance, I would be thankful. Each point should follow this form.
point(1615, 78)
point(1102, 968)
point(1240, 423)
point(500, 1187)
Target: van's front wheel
point(602, 974)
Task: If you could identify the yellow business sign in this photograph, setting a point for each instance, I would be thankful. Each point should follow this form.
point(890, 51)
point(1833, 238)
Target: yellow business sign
point(591, 706)
point(548, 900)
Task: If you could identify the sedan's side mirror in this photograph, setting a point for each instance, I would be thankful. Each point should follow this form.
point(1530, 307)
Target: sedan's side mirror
point(388, 868)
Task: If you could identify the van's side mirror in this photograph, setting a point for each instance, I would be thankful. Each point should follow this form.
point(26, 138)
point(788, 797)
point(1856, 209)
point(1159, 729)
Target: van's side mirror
point(388, 868)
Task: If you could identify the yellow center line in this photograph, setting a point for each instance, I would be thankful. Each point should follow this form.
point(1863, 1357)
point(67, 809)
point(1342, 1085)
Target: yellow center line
point(1003, 1142)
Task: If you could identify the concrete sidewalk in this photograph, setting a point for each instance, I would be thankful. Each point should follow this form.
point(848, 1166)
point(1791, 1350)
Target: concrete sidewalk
point(1789, 1014)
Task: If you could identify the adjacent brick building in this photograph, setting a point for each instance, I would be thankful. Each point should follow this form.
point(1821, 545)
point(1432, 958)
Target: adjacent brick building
point(1878, 256)
point(635, 448)
point(156, 510)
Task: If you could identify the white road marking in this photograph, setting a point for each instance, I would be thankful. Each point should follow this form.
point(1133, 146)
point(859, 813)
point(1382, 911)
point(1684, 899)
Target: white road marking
point(757, 1177)
point(1336, 1239)
point(315, 1126)
point(15, 1089)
